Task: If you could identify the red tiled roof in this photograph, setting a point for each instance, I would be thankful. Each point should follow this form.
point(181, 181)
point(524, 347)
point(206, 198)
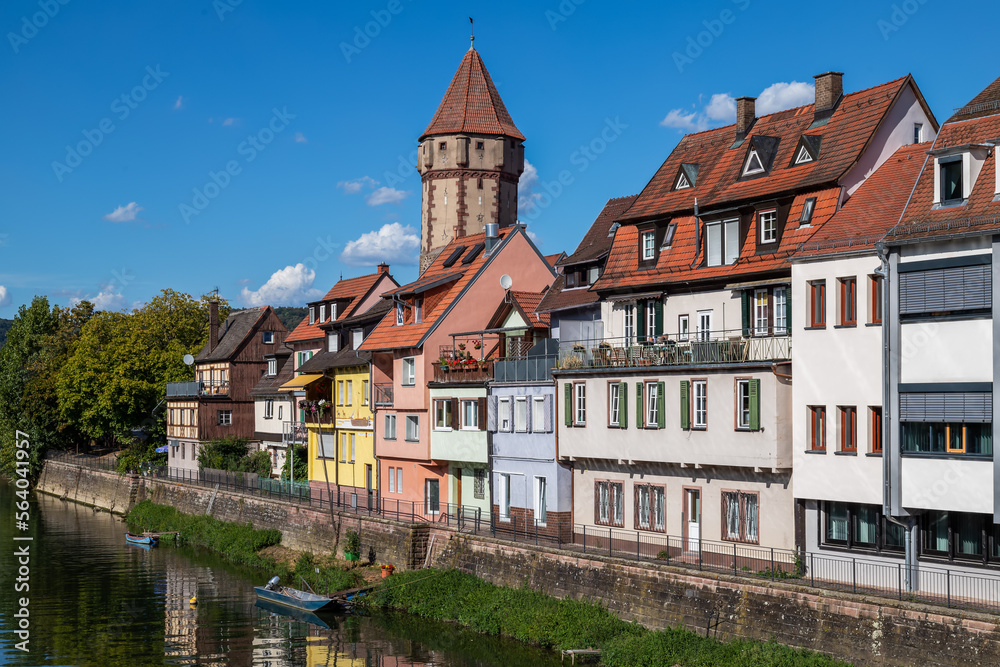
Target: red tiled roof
point(986, 103)
point(979, 213)
point(388, 336)
point(472, 104)
point(528, 302)
point(554, 258)
point(843, 139)
point(354, 289)
point(874, 208)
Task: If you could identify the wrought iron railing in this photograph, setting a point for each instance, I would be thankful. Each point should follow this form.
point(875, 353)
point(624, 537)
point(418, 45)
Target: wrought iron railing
point(383, 394)
point(705, 347)
point(214, 388)
point(294, 433)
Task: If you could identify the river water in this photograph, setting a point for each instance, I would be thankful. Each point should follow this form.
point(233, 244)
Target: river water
point(94, 600)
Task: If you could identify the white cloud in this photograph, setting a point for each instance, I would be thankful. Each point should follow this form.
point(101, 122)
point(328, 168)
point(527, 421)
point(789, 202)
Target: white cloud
point(780, 96)
point(527, 198)
point(290, 286)
point(393, 244)
point(179, 104)
point(124, 213)
point(229, 121)
point(357, 185)
point(4, 296)
point(108, 299)
point(721, 108)
point(385, 195)
point(300, 138)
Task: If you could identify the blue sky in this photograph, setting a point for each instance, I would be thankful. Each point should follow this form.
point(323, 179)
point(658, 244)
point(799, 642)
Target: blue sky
point(266, 148)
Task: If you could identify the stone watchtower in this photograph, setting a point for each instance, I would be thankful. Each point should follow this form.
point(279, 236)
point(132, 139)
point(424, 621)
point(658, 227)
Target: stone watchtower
point(471, 157)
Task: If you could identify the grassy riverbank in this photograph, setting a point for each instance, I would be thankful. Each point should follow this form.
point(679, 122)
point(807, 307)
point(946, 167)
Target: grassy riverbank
point(244, 545)
point(538, 619)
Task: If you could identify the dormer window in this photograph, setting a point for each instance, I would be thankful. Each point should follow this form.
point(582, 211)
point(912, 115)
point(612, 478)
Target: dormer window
point(956, 170)
point(803, 156)
point(682, 182)
point(768, 221)
point(332, 342)
point(807, 150)
point(649, 245)
point(312, 315)
point(399, 314)
point(272, 367)
point(687, 176)
point(322, 313)
point(333, 311)
point(753, 164)
point(418, 310)
point(950, 170)
point(722, 242)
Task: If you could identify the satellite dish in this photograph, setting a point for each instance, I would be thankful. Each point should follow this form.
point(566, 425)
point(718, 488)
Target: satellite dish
point(188, 359)
point(505, 281)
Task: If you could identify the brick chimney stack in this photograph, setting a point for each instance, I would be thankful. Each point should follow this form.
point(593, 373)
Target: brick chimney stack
point(829, 89)
point(383, 267)
point(213, 324)
point(746, 114)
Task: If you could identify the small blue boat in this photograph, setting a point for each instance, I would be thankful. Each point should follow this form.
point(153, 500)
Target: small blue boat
point(148, 540)
point(293, 597)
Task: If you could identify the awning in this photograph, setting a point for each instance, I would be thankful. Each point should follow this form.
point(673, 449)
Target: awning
point(635, 296)
point(162, 450)
point(300, 382)
point(760, 283)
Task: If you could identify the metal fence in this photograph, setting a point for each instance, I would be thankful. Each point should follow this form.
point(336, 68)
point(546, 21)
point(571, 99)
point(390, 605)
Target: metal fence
point(933, 585)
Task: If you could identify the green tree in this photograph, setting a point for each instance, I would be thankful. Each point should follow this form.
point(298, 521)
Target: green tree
point(301, 463)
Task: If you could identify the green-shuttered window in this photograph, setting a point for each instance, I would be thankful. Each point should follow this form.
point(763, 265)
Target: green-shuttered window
point(640, 417)
point(748, 404)
point(685, 404)
point(661, 417)
point(755, 405)
point(569, 404)
point(623, 405)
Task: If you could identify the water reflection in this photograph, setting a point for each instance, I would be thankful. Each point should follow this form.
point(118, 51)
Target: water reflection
point(95, 600)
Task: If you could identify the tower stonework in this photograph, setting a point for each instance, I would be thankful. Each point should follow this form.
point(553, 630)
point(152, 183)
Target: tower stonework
point(470, 159)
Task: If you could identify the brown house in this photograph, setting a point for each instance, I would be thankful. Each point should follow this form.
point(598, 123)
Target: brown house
point(218, 403)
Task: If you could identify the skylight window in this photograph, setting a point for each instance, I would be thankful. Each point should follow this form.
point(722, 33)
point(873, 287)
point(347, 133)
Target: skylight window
point(472, 254)
point(753, 164)
point(668, 238)
point(453, 257)
point(803, 156)
point(807, 212)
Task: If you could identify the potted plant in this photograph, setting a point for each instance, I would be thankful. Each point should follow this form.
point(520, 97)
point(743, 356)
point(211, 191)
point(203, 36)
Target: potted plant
point(461, 346)
point(352, 546)
point(477, 344)
point(387, 570)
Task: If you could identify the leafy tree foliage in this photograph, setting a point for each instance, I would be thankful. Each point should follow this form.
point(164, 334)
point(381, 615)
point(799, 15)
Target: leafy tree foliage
point(232, 454)
point(291, 317)
point(301, 463)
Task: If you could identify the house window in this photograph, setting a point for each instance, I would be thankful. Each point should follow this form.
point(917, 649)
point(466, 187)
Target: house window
point(875, 283)
point(753, 164)
point(504, 497)
point(946, 438)
point(503, 414)
point(399, 314)
point(538, 415)
point(521, 414)
point(322, 313)
point(650, 317)
point(268, 408)
point(613, 403)
point(332, 342)
point(768, 221)
point(443, 145)
point(392, 479)
point(470, 415)
point(340, 392)
point(629, 324)
point(951, 180)
point(875, 428)
point(668, 237)
point(580, 403)
point(740, 510)
point(364, 392)
point(743, 404)
point(390, 427)
point(480, 145)
point(700, 388)
point(780, 312)
point(918, 132)
point(682, 182)
point(267, 337)
point(807, 212)
point(803, 156)
point(609, 503)
point(650, 506)
point(224, 417)
point(540, 501)
point(648, 245)
point(704, 325)
point(683, 326)
point(848, 301)
point(357, 337)
point(479, 483)
point(399, 480)
point(409, 372)
point(848, 428)
point(432, 496)
point(722, 242)
point(762, 312)
point(412, 428)
point(333, 312)
point(653, 405)
point(817, 428)
point(418, 310)
point(817, 303)
point(442, 414)
point(350, 393)
point(280, 410)
point(854, 525)
point(312, 315)
point(272, 367)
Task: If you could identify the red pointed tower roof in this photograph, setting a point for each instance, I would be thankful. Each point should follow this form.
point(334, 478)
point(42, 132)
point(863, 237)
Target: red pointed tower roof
point(472, 104)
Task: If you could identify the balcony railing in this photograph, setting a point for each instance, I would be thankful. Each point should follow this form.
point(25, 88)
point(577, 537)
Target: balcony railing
point(215, 388)
point(178, 389)
point(526, 369)
point(383, 394)
point(703, 347)
point(463, 370)
point(294, 433)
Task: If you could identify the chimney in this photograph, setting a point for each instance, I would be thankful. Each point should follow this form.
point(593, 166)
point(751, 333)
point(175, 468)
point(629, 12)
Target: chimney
point(745, 115)
point(383, 267)
point(492, 230)
point(829, 89)
point(213, 324)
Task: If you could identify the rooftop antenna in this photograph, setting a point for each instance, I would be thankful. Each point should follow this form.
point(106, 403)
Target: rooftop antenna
point(472, 34)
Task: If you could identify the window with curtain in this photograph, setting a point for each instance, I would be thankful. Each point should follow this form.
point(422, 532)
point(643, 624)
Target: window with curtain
point(865, 522)
point(740, 516)
point(540, 500)
point(836, 522)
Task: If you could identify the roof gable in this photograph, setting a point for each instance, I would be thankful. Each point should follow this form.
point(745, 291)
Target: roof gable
point(233, 333)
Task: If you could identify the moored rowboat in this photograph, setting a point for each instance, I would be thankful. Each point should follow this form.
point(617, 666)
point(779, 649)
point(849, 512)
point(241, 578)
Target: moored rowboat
point(150, 540)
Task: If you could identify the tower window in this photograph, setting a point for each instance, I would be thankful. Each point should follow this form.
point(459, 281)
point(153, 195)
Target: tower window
point(480, 145)
point(443, 145)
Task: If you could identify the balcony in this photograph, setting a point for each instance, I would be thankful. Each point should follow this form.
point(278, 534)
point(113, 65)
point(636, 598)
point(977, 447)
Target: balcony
point(383, 394)
point(294, 433)
point(703, 347)
point(472, 371)
point(214, 388)
point(182, 389)
point(527, 369)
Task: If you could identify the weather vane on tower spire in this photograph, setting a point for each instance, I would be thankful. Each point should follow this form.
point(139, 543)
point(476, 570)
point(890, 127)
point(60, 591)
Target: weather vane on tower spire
point(472, 34)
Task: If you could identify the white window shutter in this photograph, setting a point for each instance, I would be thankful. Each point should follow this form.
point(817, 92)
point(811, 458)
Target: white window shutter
point(491, 414)
point(548, 414)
